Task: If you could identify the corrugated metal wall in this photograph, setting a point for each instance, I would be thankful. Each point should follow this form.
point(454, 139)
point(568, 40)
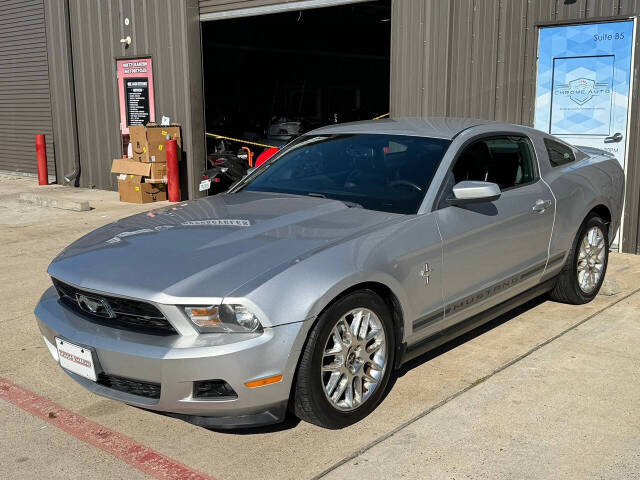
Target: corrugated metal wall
point(477, 58)
point(166, 30)
point(25, 107)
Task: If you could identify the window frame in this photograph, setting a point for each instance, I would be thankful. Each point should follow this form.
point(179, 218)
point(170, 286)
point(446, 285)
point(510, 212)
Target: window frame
point(569, 147)
point(441, 198)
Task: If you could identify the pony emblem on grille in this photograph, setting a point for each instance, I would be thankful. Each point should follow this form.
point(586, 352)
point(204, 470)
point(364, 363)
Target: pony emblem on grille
point(94, 306)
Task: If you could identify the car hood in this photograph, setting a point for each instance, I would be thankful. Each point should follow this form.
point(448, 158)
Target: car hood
point(208, 247)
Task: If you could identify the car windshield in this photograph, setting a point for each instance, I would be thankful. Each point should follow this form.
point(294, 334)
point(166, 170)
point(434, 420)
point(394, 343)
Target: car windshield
point(389, 173)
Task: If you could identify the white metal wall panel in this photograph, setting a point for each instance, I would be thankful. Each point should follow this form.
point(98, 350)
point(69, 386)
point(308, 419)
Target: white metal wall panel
point(221, 9)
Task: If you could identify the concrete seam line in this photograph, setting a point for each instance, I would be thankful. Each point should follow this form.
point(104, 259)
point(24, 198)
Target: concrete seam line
point(110, 441)
point(455, 395)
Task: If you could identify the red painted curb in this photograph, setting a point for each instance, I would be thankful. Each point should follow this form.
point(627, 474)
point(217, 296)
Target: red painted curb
point(120, 446)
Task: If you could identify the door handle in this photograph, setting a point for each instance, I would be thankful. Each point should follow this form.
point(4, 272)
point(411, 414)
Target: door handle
point(541, 205)
point(615, 138)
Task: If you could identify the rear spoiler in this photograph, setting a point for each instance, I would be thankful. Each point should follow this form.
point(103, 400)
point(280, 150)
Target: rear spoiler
point(594, 152)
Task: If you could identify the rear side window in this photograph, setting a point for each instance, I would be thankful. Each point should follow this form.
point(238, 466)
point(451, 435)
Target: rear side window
point(559, 154)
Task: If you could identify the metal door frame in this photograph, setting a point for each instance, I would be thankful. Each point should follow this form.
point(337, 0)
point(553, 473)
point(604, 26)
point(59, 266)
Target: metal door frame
point(276, 8)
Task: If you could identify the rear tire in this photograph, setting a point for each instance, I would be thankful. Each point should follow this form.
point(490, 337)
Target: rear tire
point(581, 277)
point(343, 372)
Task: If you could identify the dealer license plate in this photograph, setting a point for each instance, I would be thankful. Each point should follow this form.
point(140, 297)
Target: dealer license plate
point(205, 184)
point(76, 359)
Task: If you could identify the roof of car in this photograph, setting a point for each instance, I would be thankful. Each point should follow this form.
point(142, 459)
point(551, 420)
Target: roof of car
point(437, 127)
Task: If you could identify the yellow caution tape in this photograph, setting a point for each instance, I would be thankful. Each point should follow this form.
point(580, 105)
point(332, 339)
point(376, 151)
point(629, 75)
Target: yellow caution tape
point(222, 137)
point(239, 140)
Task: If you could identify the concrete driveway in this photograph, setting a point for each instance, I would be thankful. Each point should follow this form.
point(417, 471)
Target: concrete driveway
point(546, 391)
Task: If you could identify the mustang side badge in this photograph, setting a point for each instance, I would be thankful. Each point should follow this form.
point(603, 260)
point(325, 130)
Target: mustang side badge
point(424, 273)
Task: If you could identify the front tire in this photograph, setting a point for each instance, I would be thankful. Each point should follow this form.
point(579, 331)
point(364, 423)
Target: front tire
point(346, 363)
point(583, 273)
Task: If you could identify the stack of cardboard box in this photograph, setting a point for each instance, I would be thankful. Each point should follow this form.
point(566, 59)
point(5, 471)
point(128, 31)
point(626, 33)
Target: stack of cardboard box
point(143, 177)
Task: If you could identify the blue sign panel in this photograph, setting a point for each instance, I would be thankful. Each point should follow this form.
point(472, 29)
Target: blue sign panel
point(584, 74)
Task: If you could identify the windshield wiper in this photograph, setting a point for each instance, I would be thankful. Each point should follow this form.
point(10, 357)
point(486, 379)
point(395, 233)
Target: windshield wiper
point(346, 202)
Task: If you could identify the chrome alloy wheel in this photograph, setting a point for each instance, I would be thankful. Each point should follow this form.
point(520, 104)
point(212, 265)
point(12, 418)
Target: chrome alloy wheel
point(354, 359)
point(591, 257)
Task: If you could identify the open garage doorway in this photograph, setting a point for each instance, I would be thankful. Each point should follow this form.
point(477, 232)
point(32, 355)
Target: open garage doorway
point(269, 78)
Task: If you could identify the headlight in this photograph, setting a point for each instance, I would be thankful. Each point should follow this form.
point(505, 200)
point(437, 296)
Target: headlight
point(223, 318)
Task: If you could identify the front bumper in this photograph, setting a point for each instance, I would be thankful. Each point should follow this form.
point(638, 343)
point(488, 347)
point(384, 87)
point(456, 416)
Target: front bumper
point(175, 362)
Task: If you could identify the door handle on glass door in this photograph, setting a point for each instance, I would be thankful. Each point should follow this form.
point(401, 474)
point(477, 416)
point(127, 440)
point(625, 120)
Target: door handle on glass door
point(541, 205)
point(615, 138)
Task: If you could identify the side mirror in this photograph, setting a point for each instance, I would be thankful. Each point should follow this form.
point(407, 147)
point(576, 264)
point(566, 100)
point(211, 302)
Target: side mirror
point(474, 192)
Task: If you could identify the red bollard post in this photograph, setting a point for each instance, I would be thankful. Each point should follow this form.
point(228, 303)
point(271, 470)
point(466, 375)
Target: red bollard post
point(41, 156)
point(173, 176)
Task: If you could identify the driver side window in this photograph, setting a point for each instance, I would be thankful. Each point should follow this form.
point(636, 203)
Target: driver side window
point(504, 160)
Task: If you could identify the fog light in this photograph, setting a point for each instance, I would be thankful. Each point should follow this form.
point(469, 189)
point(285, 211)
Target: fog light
point(213, 389)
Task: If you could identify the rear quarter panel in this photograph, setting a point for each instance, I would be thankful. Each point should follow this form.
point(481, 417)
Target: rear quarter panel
point(579, 187)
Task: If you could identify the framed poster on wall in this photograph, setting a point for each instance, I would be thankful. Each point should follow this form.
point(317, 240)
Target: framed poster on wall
point(135, 91)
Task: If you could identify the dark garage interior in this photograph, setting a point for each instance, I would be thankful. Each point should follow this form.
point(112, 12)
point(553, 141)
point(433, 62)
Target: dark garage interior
point(269, 78)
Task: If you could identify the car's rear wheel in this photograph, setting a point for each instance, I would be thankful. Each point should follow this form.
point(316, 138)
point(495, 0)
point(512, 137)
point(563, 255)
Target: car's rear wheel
point(585, 268)
point(347, 361)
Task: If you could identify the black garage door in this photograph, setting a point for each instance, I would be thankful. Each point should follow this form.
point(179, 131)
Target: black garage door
point(25, 107)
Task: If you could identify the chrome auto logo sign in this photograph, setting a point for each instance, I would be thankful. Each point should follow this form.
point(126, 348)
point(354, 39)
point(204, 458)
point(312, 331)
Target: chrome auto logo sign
point(581, 90)
point(94, 306)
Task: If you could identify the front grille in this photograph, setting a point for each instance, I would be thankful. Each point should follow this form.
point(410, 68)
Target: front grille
point(128, 314)
point(134, 387)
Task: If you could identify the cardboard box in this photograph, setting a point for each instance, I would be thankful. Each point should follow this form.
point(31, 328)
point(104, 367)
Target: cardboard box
point(140, 182)
point(153, 172)
point(148, 143)
point(134, 190)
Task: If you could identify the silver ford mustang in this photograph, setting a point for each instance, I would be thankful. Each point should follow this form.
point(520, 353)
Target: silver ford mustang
point(355, 249)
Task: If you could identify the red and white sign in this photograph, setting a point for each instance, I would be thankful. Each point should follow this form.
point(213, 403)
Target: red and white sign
point(135, 89)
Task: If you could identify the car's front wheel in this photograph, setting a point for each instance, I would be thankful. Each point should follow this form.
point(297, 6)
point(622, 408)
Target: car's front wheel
point(586, 265)
point(347, 361)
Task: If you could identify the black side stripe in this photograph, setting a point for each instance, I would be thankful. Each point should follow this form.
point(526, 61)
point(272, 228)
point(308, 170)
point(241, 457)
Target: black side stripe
point(470, 300)
point(432, 317)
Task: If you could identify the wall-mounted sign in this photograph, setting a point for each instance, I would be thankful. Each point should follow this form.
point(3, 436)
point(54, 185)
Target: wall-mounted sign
point(135, 89)
point(584, 77)
point(136, 94)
